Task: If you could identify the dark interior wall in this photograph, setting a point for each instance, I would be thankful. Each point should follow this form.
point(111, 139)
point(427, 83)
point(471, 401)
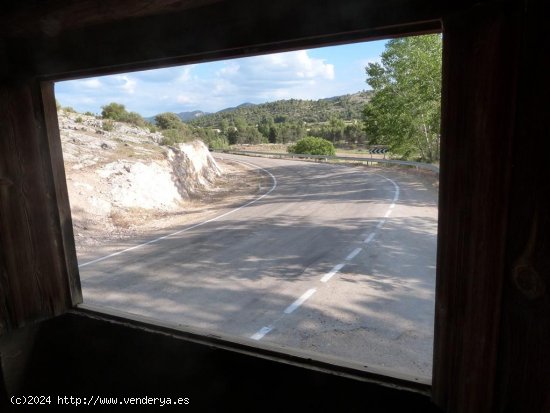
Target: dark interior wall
point(83, 356)
point(523, 379)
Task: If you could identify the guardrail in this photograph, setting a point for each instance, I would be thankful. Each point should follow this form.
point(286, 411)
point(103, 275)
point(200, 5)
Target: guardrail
point(418, 165)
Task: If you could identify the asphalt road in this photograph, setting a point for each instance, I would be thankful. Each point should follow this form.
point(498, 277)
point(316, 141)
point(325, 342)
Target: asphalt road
point(334, 259)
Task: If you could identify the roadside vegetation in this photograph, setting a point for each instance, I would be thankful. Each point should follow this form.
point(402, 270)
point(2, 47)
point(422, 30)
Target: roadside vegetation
point(313, 146)
point(405, 110)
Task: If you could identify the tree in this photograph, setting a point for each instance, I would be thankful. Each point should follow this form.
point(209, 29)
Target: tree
point(354, 133)
point(114, 111)
point(405, 111)
point(168, 120)
point(335, 129)
point(118, 112)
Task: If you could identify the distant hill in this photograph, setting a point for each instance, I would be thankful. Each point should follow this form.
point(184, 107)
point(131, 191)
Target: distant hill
point(188, 116)
point(185, 116)
point(346, 107)
point(241, 106)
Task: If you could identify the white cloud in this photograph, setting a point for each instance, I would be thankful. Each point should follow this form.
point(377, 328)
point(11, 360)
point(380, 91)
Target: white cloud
point(231, 69)
point(276, 76)
point(276, 67)
point(217, 85)
point(93, 83)
point(185, 74)
point(183, 99)
point(128, 84)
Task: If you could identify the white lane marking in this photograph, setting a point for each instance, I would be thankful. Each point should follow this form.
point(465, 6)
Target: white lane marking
point(290, 309)
point(352, 254)
point(332, 272)
point(370, 238)
point(388, 212)
point(258, 335)
point(274, 180)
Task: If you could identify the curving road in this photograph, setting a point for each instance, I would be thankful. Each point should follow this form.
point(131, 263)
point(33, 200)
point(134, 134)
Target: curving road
point(328, 258)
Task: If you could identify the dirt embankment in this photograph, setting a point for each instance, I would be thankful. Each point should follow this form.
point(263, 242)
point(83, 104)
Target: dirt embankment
point(122, 183)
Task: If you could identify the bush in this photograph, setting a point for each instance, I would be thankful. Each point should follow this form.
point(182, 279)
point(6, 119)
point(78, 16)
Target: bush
point(108, 125)
point(118, 112)
point(313, 146)
point(79, 119)
point(173, 136)
point(151, 127)
point(218, 143)
point(114, 111)
point(69, 109)
point(168, 120)
point(135, 119)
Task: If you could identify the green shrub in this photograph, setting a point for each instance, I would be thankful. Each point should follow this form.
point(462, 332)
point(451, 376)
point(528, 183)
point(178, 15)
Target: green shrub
point(79, 119)
point(174, 136)
point(87, 113)
point(114, 111)
point(69, 109)
point(135, 119)
point(108, 125)
point(168, 120)
point(218, 143)
point(118, 112)
point(151, 127)
point(313, 146)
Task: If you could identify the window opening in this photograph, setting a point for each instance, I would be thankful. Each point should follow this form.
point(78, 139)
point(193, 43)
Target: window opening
point(330, 255)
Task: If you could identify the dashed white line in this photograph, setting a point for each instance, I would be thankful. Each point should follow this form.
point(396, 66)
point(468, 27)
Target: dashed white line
point(370, 238)
point(261, 333)
point(332, 272)
point(292, 307)
point(352, 254)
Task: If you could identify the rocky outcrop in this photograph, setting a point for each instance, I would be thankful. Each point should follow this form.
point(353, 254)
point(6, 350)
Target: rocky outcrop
point(119, 177)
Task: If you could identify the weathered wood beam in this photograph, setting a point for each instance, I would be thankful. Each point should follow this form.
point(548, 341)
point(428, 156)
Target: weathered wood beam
point(222, 29)
point(480, 66)
point(37, 261)
point(523, 380)
point(51, 18)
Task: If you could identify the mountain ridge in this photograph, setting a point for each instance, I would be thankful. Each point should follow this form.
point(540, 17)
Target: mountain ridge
point(347, 107)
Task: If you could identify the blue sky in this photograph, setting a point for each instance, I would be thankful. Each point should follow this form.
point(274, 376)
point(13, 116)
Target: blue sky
point(305, 74)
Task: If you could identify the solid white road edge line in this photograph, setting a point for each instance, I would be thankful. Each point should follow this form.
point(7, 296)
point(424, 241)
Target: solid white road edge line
point(274, 180)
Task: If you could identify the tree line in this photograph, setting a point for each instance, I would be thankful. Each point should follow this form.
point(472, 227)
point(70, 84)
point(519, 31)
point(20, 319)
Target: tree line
point(346, 107)
point(401, 112)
